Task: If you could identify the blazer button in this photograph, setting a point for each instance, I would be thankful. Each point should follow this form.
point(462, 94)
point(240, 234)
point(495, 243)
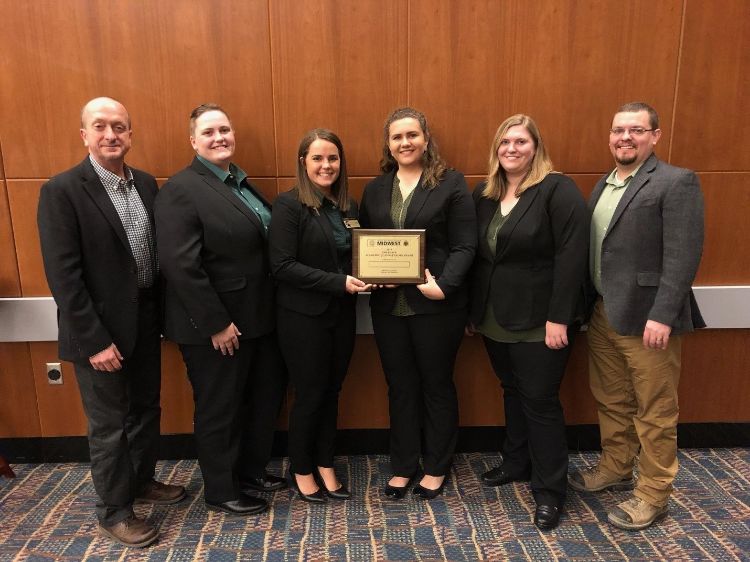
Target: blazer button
point(133, 299)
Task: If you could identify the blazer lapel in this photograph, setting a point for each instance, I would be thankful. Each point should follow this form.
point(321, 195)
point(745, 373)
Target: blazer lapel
point(94, 187)
point(226, 192)
point(506, 232)
point(640, 179)
point(486, 209)
point(418, 200)
point(383, 199)
point(325, 224)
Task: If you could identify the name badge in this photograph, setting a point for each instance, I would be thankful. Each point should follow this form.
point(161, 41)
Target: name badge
point(351, 223)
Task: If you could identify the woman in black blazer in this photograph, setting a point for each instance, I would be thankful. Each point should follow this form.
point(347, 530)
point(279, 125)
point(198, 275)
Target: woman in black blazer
point(311, 258)
point(527, 290)
point(418, 328)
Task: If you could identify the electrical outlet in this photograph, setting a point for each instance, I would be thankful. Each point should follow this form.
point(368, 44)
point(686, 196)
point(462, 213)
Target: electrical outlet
point(54, 373)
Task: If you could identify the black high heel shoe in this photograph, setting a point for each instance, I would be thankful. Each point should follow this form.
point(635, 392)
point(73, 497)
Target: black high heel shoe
point(398, 492)
point(427, 493)
point(316, 497)
point(341, 493)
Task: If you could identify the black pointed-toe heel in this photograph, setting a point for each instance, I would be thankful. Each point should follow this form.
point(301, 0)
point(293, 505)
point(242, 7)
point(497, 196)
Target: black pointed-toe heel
point(398, 492)
point(340, 493)
point(428, 494)
point(316, 497)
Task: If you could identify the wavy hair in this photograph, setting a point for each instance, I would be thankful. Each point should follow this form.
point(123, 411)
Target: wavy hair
point(307, 192)
point(432, 164)
point(541, 164)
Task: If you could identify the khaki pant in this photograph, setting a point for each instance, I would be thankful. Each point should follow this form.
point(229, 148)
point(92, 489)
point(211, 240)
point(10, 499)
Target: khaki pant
point(636, 393)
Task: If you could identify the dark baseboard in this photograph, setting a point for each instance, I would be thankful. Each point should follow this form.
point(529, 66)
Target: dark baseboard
point(369, 441)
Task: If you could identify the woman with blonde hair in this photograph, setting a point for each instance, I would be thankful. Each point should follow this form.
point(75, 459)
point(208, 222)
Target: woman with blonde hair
point(527, 290)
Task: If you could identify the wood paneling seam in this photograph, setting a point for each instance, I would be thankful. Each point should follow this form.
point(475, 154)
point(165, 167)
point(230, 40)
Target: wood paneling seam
point(677, 79)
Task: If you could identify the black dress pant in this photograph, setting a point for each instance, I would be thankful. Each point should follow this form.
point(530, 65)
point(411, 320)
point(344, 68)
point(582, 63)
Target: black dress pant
point(123, 413)
point(535, 439)
point(223, 385)
point(418, 354)
point(317, 351)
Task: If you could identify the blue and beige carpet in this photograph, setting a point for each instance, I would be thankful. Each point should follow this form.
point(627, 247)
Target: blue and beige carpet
point(46, 514)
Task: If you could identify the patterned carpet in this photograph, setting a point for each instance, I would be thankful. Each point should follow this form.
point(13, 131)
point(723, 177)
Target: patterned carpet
point(46, 514)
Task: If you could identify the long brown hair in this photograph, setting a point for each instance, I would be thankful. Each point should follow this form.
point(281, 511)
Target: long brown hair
point(306, 189)
point(432, 164)
point(541, 164)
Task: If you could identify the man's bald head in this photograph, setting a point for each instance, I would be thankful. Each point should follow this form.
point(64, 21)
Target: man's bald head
point(106, 132)
point(97, 104)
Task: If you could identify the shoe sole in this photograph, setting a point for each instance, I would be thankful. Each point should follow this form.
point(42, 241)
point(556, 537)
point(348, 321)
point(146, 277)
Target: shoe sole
point(141, 544)
point(620, 524)
point(239, 514)
point(615, 487)
point(140, 501)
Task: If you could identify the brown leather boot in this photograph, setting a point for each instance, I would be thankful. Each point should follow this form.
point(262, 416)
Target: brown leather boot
point(160, 494)
point(130, 532)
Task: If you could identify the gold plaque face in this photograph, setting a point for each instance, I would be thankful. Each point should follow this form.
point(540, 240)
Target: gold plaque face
point(388, 255)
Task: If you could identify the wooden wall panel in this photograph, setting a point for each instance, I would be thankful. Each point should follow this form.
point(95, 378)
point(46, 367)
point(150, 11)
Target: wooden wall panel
point(176, 393)
point(713, 92)
point(567, 64)
point(60, 409)
point(161, 59)
point(715, 380)
point(726, 250)
point(19, 414)
point(339, 65)
point(363, 402)
point(23, 196)
point(10, 284)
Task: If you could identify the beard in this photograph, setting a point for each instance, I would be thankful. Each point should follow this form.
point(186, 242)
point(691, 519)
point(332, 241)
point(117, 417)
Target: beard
point(626, 161)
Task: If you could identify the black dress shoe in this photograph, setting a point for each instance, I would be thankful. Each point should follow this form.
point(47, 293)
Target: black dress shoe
point(340, 493)
point(265, 483)
point(316, 497)
point(427, 493)
point(246, 505)
point(499, 476)
point(547, 517)
point(398, 492)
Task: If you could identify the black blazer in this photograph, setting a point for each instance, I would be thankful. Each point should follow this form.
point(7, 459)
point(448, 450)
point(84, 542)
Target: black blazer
point(304, 258)
point(447, 214)
point(88, 261)
point(213, 254)
point(539, 269)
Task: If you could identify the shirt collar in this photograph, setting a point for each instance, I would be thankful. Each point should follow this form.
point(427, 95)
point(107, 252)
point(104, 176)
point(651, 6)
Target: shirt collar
point(614, 182)
point(110, 179)
point(234, 170)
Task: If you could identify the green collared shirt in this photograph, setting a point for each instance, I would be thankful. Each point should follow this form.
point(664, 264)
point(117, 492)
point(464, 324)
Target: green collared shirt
point(600, 219)
point(235, 178)
point(341, 235)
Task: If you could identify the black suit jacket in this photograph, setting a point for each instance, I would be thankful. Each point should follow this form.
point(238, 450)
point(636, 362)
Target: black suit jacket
point(88, 261)
point(447, 214)
point(213, 255)
point(304, 258)
point(539, 270)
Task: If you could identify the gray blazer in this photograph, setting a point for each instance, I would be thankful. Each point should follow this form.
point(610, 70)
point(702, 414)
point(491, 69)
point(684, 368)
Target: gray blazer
point(652, 249)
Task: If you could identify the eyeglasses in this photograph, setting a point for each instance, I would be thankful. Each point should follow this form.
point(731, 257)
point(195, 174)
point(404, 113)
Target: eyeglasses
point(633, 131)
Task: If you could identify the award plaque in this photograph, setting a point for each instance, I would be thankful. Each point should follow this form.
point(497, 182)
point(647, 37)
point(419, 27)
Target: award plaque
point(386, 256)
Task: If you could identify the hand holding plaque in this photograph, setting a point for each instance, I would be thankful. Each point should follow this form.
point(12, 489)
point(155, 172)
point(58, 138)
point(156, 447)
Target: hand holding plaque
point(389, 256)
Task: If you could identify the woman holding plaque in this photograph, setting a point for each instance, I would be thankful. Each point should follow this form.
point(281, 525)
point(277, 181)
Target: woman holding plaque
point(526, 301)
point(311, 259)
point(418, 327)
